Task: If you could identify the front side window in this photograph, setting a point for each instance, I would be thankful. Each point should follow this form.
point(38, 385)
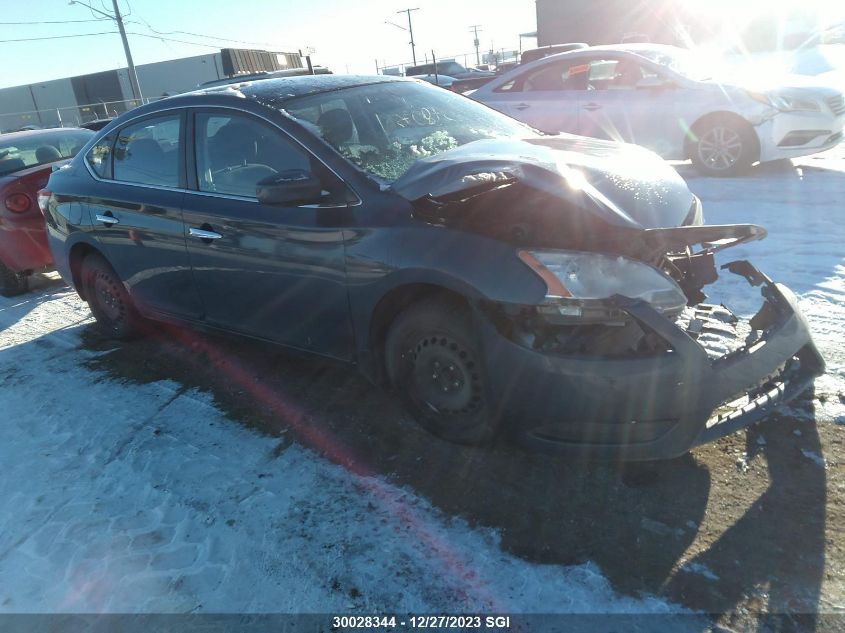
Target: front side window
point(693, 66)
point(385, 128)
point(234, 152)
point(148, 152)
point(617, 74)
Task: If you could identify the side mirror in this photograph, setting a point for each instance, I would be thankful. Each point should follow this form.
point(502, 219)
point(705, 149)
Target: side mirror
point(654, 82)
point(293, 186)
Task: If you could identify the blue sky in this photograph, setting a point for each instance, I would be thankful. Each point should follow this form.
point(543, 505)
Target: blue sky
point(347, 35)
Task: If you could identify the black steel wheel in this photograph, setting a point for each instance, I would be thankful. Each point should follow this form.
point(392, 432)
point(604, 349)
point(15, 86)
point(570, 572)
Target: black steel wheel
point(434, 361)
point(12, 283)
point(110, 304)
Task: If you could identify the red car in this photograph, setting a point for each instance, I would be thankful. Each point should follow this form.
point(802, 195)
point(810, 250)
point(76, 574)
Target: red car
point(26, 160)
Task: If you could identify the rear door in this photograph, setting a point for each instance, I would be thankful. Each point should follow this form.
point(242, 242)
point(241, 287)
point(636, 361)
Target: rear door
point(275, 272)
point(136, 211)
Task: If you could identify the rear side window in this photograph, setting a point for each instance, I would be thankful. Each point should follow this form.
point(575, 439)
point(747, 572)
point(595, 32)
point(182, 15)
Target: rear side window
point(148, 152)
point(551, 77)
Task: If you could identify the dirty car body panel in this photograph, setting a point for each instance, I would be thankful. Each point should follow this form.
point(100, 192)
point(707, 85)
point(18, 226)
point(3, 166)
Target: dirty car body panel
point(582, 263)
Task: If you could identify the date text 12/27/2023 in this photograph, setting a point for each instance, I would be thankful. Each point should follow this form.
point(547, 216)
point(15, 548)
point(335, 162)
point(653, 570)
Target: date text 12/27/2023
point(489, 623)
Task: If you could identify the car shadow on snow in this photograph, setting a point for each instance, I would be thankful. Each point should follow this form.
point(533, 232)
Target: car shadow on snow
point(696, 530)
point(42, 288)
point(782, 168)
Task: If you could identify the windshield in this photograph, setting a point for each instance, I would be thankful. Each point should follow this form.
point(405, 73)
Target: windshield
point(683, 62)
point(21, 152)
point(385, 128)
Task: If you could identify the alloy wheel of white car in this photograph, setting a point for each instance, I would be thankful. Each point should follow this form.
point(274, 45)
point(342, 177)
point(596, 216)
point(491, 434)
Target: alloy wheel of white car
point(723, 147)
point(720, 148)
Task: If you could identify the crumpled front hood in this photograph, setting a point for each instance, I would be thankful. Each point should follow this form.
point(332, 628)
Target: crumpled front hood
point(632, 186)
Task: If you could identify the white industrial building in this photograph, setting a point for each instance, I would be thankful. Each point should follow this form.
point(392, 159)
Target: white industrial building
point(73, 100)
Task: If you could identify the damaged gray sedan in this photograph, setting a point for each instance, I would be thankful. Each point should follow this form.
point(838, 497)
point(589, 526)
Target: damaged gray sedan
point(498, 279)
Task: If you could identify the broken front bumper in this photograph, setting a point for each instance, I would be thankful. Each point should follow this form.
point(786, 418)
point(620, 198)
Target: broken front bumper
point(658, 406)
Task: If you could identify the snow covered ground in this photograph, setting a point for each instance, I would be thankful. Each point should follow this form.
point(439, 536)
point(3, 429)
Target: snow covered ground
point(802, 205)
point(120, 497)
point(123, 498)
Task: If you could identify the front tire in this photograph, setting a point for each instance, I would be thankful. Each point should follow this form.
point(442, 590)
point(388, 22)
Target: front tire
point(723, 146)
point(12, 283)
point(110, 304)
point(434, 361)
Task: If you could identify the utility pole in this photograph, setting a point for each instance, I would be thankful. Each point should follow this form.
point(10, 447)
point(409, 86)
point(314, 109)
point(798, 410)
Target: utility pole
point(133, 76)
point(410, 30)
point(474, 28)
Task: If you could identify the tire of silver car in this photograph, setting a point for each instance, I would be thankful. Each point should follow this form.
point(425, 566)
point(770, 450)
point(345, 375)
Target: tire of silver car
point(12, 283)
point(723, 146)
point(110, 304)
point(434, 362)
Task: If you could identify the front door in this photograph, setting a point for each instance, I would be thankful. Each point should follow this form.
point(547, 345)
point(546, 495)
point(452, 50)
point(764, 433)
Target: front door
point(275, 272)
point(619, 106)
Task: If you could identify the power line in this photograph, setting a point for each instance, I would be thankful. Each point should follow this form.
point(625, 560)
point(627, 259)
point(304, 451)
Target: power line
point(210, 37)
point(170, 39)
point(155, 37)
point(58, 37)
point(53, 22)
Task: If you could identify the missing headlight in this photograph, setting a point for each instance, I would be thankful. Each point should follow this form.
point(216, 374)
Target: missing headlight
point(612, 334)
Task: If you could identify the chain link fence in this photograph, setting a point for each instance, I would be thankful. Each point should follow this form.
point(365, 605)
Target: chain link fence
point(467, 60)
point(69, 116)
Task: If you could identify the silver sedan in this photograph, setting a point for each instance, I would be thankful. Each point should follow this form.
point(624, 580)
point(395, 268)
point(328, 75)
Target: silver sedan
point(663, 98)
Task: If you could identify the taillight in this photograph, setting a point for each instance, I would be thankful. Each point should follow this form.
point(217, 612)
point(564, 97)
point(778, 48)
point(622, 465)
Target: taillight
point(18, 203)
point(43, 199)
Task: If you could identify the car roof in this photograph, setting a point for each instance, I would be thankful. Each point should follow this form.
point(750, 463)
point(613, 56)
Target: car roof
point(267, 93)
point(622, 49)
point(271, 93)
point(633, 47)
point(10, 136)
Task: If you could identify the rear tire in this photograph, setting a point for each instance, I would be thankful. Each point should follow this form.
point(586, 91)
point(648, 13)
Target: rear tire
point(434, 361)
point(110, 304)
point(12, 283)
point(723, 146)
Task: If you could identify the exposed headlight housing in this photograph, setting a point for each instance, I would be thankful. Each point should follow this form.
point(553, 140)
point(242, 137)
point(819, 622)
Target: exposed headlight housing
point(787, 103)
point(578, 283)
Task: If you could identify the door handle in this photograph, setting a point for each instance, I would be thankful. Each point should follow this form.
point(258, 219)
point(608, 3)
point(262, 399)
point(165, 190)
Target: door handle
point(108, 219)
point(522, 106)
point(202, 234)
point(592, 107)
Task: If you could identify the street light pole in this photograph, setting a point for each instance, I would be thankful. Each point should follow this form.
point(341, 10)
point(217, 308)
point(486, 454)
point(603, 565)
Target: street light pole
point(133, 76)
point(411, 31)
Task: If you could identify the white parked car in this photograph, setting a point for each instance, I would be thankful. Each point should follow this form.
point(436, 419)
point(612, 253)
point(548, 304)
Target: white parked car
point(663, 98)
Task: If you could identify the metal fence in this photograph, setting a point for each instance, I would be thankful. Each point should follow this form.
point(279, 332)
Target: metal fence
point(69, 116)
